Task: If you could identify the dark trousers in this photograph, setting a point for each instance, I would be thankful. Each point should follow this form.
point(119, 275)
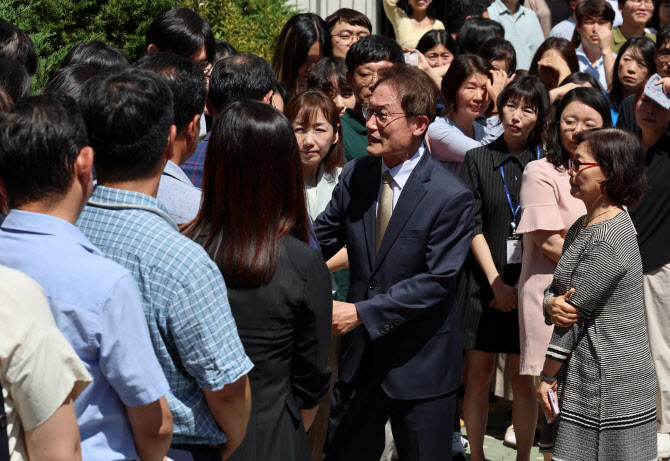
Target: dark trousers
point(200, 452)
point(422, 429)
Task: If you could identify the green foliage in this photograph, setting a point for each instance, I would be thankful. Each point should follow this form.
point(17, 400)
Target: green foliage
point(55, 26)
point(250, 26)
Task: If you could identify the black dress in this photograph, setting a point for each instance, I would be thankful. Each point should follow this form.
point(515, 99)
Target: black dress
point(285, 329)
point(486, 328)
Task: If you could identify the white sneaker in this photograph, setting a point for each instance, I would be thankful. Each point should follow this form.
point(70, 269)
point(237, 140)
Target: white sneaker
point(663, 445)
point(510, 437)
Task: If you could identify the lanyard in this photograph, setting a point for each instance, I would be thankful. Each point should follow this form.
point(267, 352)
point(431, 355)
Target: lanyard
point(515, 211)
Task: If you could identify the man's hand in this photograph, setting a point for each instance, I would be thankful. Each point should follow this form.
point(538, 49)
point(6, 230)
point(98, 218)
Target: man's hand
point(345, 317)
point(561, 313)
point(605, 38)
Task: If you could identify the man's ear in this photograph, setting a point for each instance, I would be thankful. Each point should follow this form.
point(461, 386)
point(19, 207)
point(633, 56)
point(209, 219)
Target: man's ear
point(192, 129)
point(152, 48)
point(83, 165)
point(419, 125)
point(267, 99)
point(169, 147)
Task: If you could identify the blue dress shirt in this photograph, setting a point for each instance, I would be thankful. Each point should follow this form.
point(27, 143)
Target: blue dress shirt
point(522, 30)
point(97, 307)
point(180, 197)
point(184, 299)
point(597, 71)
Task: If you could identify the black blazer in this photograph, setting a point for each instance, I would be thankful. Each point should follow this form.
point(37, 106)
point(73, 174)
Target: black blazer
point(285, 329)
point(405, 295)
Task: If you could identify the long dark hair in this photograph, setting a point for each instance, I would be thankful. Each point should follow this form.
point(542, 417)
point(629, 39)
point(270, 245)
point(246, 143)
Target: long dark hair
point(407, 8)
point(252, 195)
point(556, 153)
point(435, 37)
point(642, 48)
point(293, 44)
point(306, 107)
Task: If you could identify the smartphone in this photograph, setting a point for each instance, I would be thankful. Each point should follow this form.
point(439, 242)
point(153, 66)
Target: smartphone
point(554, 402)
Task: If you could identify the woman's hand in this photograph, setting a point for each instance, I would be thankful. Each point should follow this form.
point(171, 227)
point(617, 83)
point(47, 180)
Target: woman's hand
point(561, 313)
point(498, 82)
point(435, 73)
point(559, 92)
point(506, 298)
point(543, 397)
point(557, 64)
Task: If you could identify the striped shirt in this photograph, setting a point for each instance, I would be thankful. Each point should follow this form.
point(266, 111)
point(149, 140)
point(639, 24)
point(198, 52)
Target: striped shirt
point(184, 299)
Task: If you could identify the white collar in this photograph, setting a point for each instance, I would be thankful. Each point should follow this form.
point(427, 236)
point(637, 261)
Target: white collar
point(400, 173)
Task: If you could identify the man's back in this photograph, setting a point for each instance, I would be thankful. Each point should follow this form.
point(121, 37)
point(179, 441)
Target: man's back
point(95, 303)
point(184, 300)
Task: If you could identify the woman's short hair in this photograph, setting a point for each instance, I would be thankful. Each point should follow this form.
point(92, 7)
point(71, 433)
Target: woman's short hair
point(475, 31)
point(252, 159)
point(499, 48)
point(591, 97)
point(643, 49)
point(305, 108)
point(415, 89)
point(348, 16)
point(330, 76)
point(95, 53)
point(434, 37)
point(460, 69)
point(407, 8)
point(69, 81)
point(620, 155)
point(293, 44)
point(561, 45)
point(529, 90)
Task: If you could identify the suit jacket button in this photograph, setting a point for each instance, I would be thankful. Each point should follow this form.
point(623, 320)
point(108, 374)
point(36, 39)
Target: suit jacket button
point(372, 286)
point(382, 331)
point(387, 327)
point(396, 322)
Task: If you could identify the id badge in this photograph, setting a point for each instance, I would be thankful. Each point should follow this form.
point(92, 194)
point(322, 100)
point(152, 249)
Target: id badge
point(514, 251)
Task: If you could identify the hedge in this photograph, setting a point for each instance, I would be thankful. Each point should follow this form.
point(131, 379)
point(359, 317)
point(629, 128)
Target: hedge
point(55, 26)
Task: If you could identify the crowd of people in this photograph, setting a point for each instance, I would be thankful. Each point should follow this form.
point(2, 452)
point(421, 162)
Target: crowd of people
point(206, 256)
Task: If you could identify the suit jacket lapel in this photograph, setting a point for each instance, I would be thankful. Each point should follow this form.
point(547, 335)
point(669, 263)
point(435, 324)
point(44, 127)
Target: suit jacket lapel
point(408, 201)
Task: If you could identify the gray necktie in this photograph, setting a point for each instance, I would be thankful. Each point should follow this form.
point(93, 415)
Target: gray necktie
point(384, 209)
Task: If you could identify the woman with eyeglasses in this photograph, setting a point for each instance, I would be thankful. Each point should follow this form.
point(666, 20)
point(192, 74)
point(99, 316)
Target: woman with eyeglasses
point(598, 370)
point(468, 89)
point(652, 221)
point(411, 19)
point(547, 212)
point(487, 293)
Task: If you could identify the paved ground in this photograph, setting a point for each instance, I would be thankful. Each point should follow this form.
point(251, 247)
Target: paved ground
point(499, 419)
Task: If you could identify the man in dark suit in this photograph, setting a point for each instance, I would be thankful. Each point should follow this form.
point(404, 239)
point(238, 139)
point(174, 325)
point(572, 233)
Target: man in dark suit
point(407, 223)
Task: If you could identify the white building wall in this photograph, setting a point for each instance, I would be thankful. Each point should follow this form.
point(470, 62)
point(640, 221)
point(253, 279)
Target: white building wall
point(326, 7)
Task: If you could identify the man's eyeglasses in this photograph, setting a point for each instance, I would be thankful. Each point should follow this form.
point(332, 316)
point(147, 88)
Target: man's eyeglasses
point(346, 38)
point(575, 166)
point(664, 55)
point(382, 117)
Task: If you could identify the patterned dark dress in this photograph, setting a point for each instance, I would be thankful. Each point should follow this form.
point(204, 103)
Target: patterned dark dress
point(607, 384)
